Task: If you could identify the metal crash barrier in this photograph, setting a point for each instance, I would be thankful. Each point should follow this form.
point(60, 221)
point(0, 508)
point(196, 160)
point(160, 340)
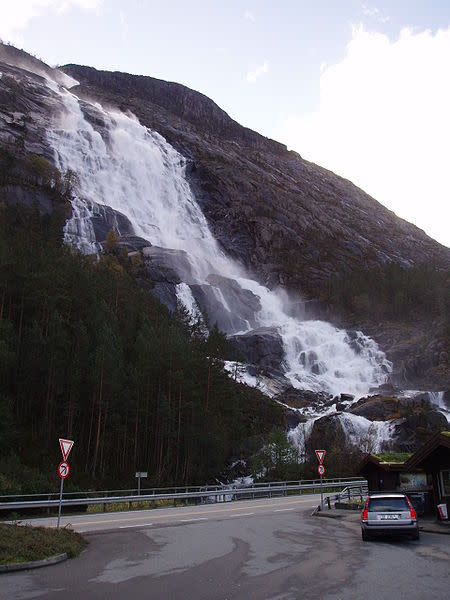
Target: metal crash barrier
point(220, 493)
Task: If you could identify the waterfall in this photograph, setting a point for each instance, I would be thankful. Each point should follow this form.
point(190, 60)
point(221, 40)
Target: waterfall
point(125, 166)
point(187, 300)
point(369, 436)
point(437, 399)
point(300, 436)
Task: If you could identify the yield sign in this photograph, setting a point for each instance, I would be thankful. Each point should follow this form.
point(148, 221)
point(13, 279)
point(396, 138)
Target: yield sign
point(66, 447)
point(320, 455)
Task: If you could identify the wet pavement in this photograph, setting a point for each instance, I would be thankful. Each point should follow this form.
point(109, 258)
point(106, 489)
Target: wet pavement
point(426, 523)
point(285, 554)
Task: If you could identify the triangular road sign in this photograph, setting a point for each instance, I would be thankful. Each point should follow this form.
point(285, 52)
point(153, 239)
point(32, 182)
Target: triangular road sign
point(320, 455)
point(66, 447)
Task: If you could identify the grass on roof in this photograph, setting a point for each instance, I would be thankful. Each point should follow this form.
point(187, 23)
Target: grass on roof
point(393, 457)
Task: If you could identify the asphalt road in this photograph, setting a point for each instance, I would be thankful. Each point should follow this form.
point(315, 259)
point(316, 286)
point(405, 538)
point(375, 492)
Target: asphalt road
point(171, 516)
point(266, 549)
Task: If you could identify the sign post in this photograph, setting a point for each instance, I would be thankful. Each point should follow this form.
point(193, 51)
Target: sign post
point(140, 475)
point(321, 470)
point(63, 470)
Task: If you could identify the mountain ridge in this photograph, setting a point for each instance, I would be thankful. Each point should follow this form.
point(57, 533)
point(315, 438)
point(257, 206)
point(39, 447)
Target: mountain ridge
point(299, 226)
point(295, 225)
point(81, 159)
point(187, 104)
point(276, 167)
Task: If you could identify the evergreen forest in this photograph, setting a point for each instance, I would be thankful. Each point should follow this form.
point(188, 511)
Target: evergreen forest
point(87, 354)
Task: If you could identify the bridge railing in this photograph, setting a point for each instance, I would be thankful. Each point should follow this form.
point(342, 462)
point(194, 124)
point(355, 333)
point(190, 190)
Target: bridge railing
point(217, 493)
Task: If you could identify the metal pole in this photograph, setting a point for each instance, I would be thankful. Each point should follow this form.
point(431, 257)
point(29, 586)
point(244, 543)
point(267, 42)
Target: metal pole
point(321, 494)
point(139, 484)
point(60, 501)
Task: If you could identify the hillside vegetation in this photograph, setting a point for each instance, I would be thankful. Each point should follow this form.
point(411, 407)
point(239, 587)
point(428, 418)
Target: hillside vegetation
point(86, 353)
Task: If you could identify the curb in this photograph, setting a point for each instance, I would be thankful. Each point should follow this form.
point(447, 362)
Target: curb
point(339, 516)
point(35, 564)
point(427, 528)
point(439, 530)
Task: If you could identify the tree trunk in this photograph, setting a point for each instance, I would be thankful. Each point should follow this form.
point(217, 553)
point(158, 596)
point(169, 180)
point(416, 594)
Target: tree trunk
point(2, 305)
point(90, 434)
point(208, 386)
point(97, 439)
point(136, 430)
point(99, 418)
point(178, 433)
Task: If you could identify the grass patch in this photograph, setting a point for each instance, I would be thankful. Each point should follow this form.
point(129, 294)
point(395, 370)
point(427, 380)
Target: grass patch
point(25, 543)
point(126, 505)
point(395, 457)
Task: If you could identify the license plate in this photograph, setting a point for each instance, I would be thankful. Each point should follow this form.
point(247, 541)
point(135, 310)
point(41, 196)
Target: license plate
point(389, 517)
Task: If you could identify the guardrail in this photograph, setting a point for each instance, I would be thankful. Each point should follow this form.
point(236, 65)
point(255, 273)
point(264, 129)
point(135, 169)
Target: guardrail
point(232, 492)
point(355, 490)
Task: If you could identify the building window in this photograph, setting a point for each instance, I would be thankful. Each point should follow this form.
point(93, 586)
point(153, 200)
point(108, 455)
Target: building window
point(445, 479)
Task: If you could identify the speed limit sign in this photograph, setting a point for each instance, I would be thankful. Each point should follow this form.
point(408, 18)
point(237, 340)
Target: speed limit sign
point(321, 470)
point(63, 469)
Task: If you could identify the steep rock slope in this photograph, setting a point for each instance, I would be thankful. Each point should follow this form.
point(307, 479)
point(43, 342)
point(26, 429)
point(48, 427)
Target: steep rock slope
point(290, 221)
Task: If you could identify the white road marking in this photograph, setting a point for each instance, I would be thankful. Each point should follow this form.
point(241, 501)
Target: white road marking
point(191, 520)
point(244, 515)
point(140, 525)
point(169, 514)
point(283, 509)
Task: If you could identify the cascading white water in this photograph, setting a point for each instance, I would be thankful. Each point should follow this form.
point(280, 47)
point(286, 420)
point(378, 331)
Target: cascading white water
point(187, 300)
point(300, 436)
point(372, 436)
point(368, 436)
point(121, 164)
point(437, 399)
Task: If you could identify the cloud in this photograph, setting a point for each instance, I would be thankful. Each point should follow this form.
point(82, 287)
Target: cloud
point(123, 25)
point(374, 13)
point(252, 76)
point(249, 16)
point(383, 123)
point(15, 16)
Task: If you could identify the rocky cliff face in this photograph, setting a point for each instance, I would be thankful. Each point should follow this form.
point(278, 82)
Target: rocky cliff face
point(290, 223)
point(293, 223)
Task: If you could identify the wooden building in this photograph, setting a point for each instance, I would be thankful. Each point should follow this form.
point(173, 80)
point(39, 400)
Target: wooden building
point(424, 475)
point(382, 471)
point(434, 459)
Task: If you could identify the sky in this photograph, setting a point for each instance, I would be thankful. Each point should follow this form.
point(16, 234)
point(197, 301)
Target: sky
point(360, 88)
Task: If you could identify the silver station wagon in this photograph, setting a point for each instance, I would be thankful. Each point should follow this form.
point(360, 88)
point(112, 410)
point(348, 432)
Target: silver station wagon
point(389, 514)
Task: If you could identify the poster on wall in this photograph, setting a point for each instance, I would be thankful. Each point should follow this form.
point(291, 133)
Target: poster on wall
point(413, 481)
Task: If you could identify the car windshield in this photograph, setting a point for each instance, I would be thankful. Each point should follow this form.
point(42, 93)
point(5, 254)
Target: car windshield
point(387, 504)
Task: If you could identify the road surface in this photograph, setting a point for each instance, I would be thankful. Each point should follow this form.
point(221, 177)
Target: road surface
point(172, 516)
point(251, 550)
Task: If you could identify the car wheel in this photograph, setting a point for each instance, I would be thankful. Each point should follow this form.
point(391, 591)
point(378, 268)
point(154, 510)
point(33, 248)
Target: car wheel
point(365, 536)
point(416, 535)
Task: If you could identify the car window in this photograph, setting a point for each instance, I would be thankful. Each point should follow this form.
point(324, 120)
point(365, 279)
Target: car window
point(387, 504)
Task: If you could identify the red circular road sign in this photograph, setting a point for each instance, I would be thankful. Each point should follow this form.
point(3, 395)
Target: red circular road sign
point(63, 469)
point(321, 470)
